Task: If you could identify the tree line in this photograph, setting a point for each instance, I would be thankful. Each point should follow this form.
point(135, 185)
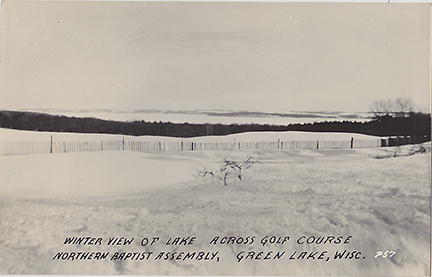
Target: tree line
point(414, 125)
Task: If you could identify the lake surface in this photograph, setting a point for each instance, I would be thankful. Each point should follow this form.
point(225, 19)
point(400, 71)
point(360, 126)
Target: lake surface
point(222, 117)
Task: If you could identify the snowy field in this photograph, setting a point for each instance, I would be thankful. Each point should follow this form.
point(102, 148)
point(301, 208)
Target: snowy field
point(18, 135)
point(369, 200)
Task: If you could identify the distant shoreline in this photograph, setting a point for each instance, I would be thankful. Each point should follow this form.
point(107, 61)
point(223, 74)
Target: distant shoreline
point(417, 125)
point(209, 116)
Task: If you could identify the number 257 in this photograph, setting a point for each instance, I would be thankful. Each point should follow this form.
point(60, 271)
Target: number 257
point(385, 254)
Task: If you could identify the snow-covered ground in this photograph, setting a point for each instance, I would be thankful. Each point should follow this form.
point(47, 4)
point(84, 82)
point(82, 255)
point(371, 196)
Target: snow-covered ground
point(19, 135)
point(375, 204)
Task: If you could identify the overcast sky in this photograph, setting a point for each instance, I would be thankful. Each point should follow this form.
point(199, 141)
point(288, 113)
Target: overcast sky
point(233, 56)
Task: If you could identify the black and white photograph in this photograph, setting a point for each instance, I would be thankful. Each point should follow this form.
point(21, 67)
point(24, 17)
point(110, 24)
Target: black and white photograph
point(215, 138)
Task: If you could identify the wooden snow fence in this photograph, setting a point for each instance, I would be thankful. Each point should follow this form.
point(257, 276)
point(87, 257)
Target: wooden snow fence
point(24, 147)
point(45, 147)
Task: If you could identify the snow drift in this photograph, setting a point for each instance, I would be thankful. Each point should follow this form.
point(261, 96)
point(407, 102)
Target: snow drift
point(308, 196)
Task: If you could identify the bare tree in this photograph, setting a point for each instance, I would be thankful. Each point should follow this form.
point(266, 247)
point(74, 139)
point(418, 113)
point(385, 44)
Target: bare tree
point(400, 107)
point(382, 108)
point(403, 107)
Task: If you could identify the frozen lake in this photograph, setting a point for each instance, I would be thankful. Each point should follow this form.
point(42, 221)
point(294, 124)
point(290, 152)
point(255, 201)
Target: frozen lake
point(222, 117)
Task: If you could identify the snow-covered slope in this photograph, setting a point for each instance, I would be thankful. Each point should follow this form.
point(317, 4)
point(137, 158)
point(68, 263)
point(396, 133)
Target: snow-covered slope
point(18, 135)
point(374, 204)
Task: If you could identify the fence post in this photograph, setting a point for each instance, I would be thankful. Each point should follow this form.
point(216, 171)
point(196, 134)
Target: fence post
point(352, 142)
point(123, 143)
point(278, 146)
point(317, 144)
point(51, 145)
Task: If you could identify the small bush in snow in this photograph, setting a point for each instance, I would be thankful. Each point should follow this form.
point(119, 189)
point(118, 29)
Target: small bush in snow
point(230, 166)
point(398, 152)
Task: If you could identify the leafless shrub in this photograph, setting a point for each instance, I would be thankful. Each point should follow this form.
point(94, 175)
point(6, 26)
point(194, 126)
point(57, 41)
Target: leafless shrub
point(417, 149)
point(230, 166)
point(397, 152)
point(203, 173)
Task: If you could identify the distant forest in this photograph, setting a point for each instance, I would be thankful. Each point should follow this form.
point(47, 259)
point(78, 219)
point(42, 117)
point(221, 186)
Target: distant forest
point(416, 125)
